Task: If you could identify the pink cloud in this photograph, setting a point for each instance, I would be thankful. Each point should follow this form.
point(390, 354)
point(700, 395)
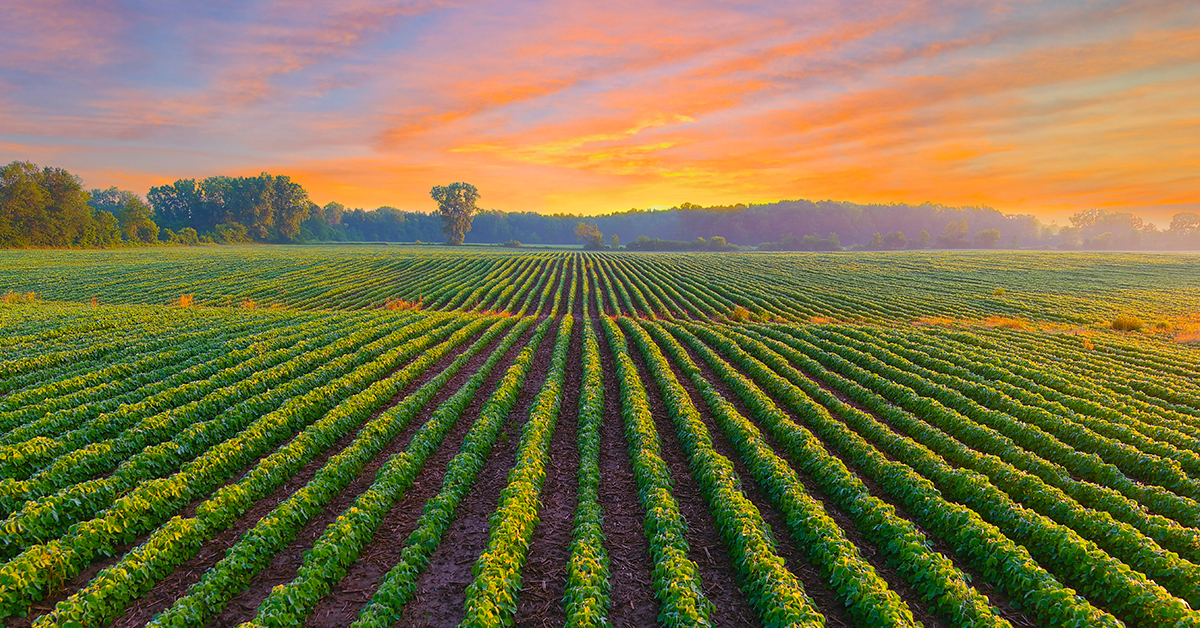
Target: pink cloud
point(1028, 106)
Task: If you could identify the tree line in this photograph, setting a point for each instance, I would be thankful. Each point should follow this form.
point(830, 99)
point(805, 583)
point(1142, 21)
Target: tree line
point(49, 207)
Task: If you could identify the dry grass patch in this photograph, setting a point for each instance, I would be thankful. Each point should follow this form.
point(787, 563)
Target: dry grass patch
point(1187, 330)
point(12, 296)
point(1007, 322)
point(186, 300)
point(937, 321)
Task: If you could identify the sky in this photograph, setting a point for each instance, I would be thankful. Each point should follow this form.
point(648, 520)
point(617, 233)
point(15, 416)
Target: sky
point(562, 106)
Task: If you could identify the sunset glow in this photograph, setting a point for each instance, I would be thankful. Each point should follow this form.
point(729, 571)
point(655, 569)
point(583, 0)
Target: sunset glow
point(1031, 107)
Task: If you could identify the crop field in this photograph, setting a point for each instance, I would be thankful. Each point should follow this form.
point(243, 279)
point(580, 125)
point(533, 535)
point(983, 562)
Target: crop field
point(402, 436)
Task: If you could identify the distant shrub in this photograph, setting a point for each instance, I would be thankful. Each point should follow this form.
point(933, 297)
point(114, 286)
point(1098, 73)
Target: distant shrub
point(1125, 322)
point(739, 314)
point(513, 244)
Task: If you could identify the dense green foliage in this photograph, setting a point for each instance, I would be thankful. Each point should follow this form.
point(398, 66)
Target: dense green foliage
point(1064, 288)
point(915, 437)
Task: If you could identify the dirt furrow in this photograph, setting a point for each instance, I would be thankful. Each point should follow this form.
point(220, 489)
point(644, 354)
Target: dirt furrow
point(630, 566)
point(441, 589)
point(544, 578)
point(998, 598)
point(167, 590)
point(824, 598)
point(285, 564)
point(731, 608)
point(341, 606)
point(867, 549)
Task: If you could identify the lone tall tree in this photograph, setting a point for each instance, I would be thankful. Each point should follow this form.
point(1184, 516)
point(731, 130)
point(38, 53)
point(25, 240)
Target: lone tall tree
point(456, 204)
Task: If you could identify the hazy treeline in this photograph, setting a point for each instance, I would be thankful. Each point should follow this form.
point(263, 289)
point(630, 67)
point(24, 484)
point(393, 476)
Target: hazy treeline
point(49, 207)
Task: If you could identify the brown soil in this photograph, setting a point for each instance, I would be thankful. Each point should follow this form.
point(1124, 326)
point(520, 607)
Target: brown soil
point(441, 589)
point(824, 598)
point(1001, 601)
point(717, 575)
point(71, 586)
point(347, 597)
point(540, 284)
point(81, 580)
point(284, 565)
point(631, 596)
point(544, 578)
point(866, 548)
point(167, 591)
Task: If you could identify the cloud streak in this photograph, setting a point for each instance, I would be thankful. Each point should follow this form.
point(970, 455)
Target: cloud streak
point(1039, 107)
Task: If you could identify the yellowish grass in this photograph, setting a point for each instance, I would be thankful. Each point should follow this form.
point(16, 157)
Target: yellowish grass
point(820, 320)
point(249, 304)
point(1187, 330)
point(939, 321)
point(1188, 337)
point(1006, 322)
point(186, 300)
point(12, 296)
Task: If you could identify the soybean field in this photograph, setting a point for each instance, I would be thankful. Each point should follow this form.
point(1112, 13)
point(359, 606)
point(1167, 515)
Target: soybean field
point(377, 436)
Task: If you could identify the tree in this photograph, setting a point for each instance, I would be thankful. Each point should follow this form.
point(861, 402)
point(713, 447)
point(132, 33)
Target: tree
point(895, 241)
point(136, 222)
point(616, 241)
point(876, 242)
point(987, 238)
point(923, 239)
point(1185, 224)
point(23, 217)
point(289, 205)
point(49, 207)
point(176, 204)
point(955, 235)
point(456, 205)
point(108, 230)
point(333, 212)
point(590, 236)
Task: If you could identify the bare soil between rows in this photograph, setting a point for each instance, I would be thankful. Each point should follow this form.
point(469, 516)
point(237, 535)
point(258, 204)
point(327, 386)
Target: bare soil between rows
point(441, 588)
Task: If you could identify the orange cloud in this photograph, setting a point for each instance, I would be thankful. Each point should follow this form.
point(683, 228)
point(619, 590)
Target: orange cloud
point(1027, 106)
